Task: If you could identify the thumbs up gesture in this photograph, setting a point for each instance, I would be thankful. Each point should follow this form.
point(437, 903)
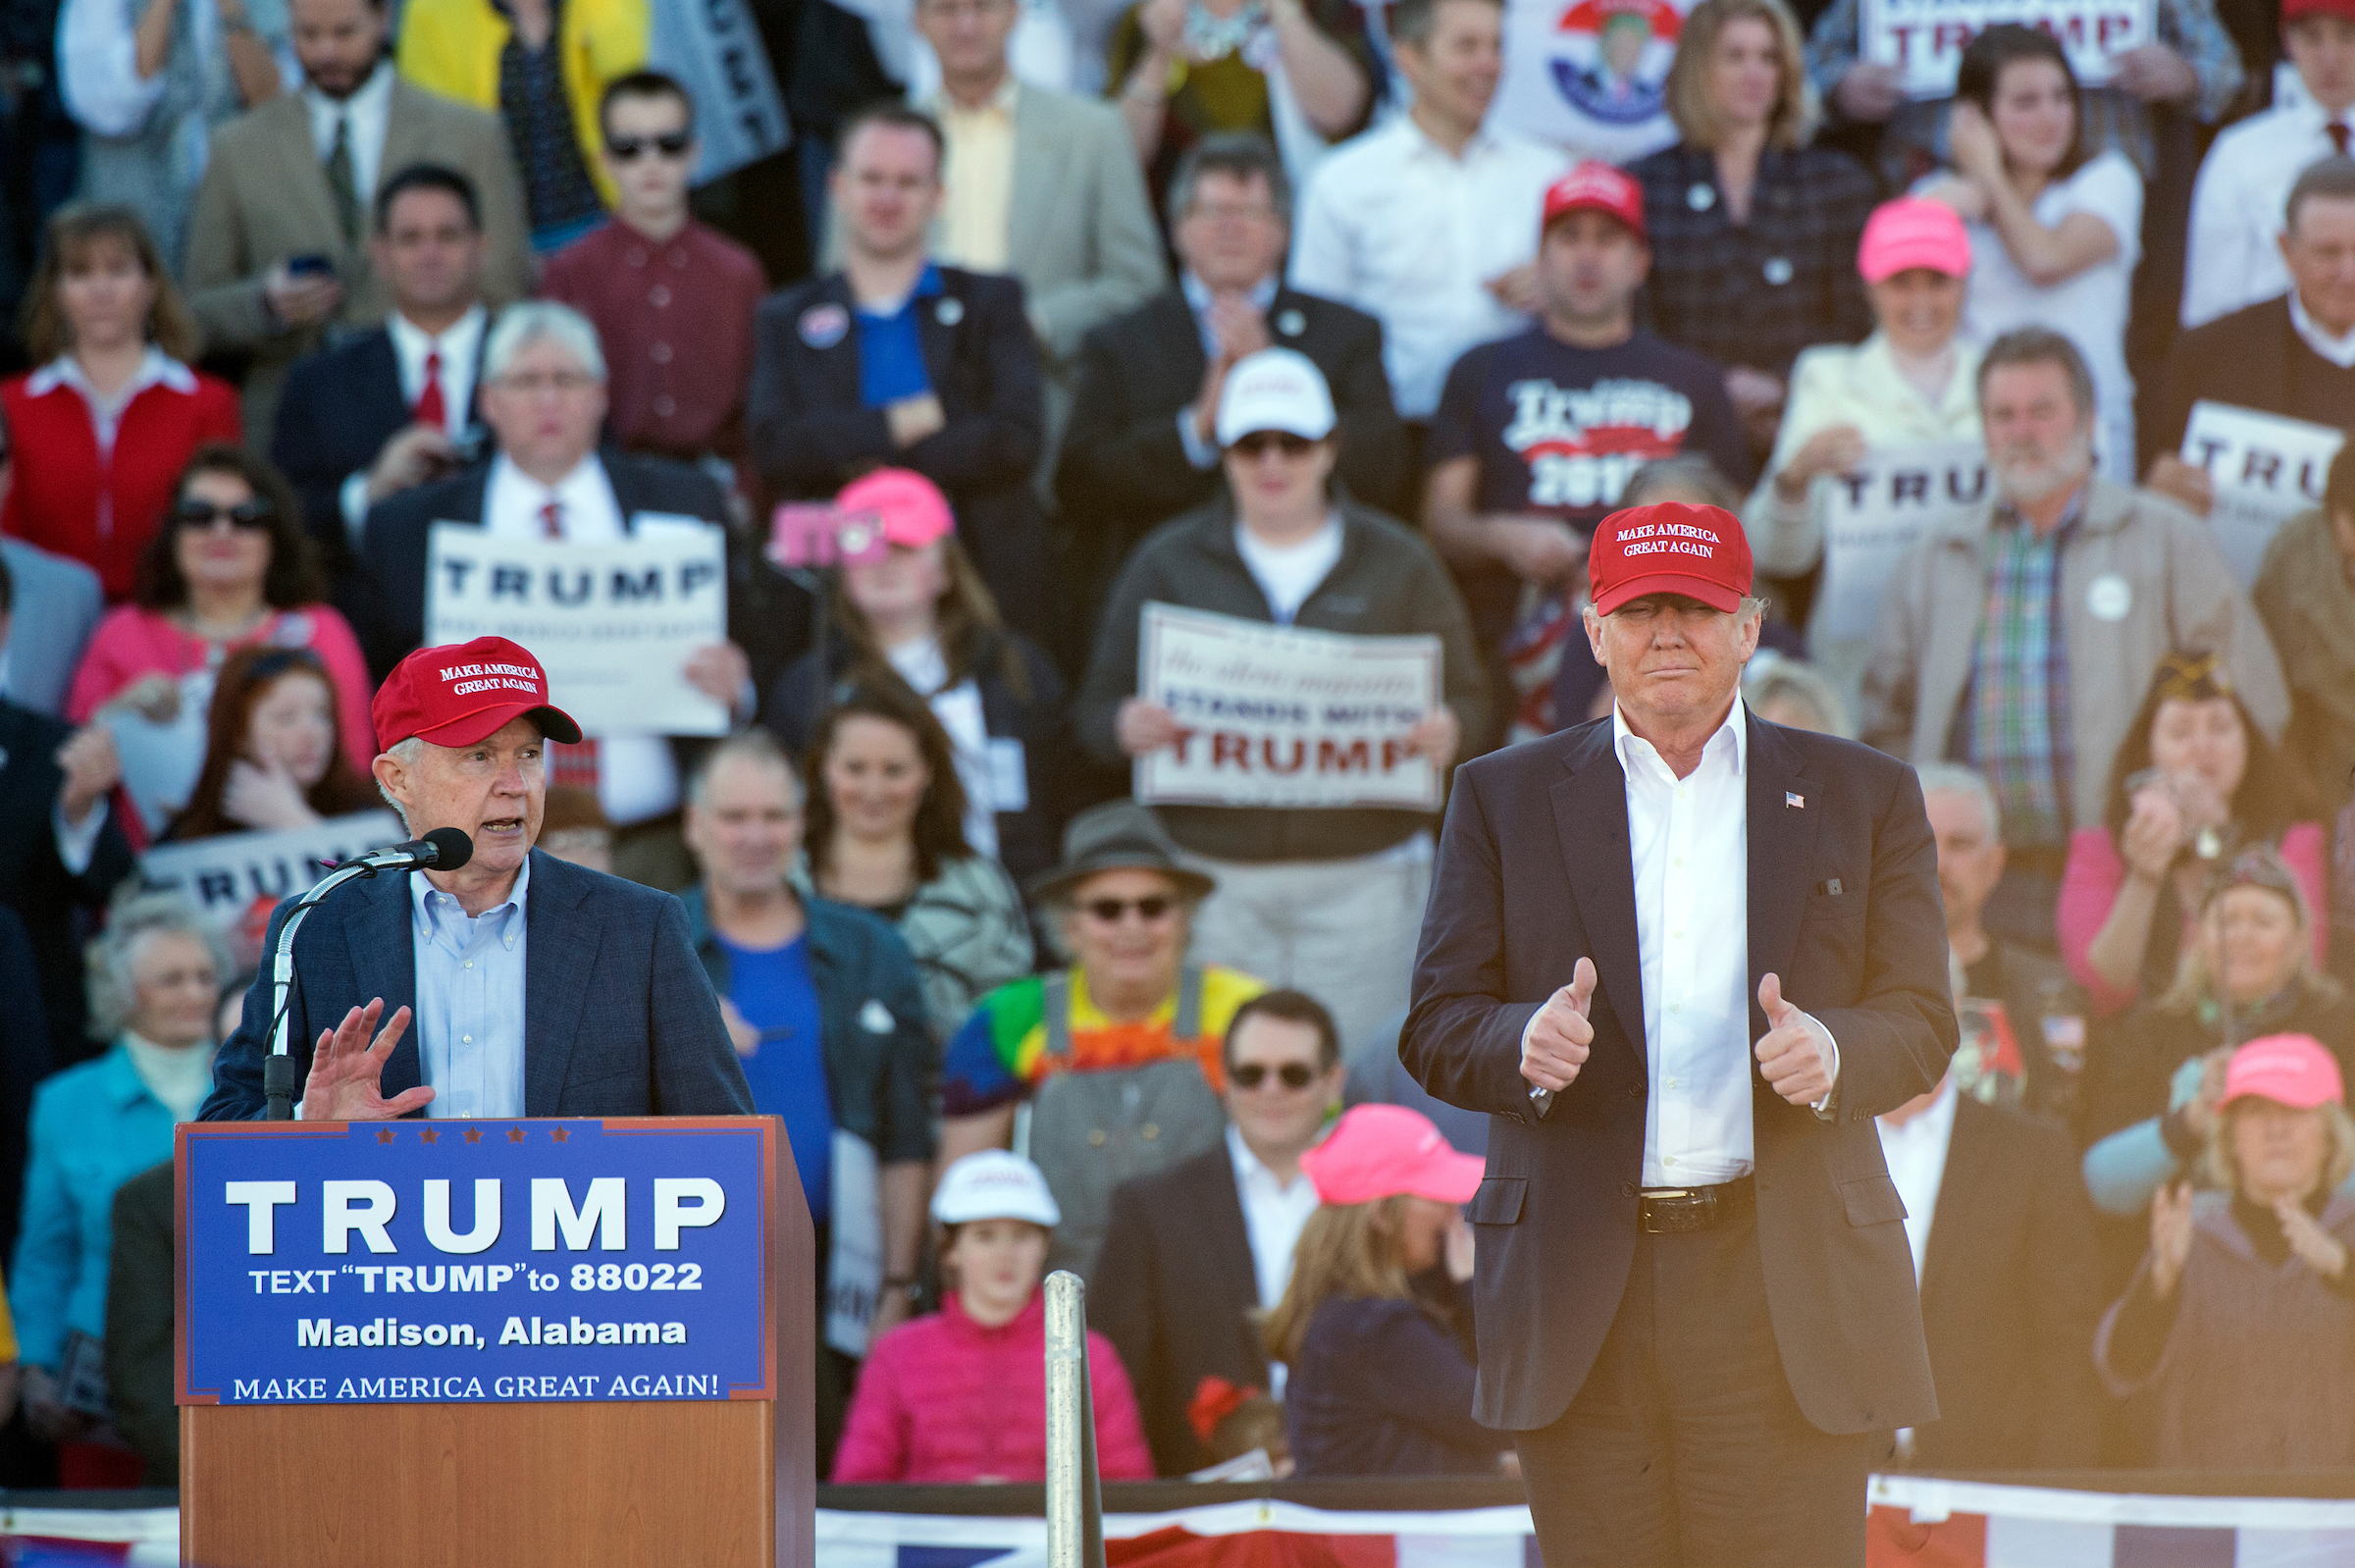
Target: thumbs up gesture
point(1796, 1054)
point(1556, 1040)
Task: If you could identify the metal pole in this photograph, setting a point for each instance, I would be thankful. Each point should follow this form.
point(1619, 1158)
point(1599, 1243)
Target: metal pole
point(1074, 1500)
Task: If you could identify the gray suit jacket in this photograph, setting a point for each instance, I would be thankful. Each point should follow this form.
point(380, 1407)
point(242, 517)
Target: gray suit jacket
point(57, 607)
point(265, 199)
point(618, 1017)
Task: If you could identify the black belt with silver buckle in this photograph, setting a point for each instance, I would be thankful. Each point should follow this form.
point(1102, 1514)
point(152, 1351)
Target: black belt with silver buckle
point(1680, 1210)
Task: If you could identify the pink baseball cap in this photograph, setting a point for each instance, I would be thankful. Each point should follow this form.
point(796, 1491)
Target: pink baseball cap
point(2292, 1070)
point(1381, 1151)
point(909, 508)
point(1912, 233)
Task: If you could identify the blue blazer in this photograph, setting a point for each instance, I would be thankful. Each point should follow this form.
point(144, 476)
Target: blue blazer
point(94, 1127)
point(1534, 873)
point(619, 1018)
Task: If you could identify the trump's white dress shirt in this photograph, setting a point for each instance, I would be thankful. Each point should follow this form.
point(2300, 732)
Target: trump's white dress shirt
point(1689, 841)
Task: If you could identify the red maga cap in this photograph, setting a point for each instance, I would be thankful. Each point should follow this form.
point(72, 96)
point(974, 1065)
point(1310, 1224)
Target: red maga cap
point(1669, 547)
point(1593, 185)
point(466, 693)
point(2296, 11)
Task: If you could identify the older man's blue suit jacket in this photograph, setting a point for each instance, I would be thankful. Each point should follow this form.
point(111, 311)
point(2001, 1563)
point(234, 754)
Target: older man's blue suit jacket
point(618, 1017)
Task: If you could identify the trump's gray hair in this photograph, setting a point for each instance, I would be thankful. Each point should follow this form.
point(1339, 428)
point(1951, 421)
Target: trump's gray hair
point(532, 320)
point(113, 957)
point(408, 754)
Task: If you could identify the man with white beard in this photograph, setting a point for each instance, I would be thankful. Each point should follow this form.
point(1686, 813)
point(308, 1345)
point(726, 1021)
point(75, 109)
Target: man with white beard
point(2020, 639)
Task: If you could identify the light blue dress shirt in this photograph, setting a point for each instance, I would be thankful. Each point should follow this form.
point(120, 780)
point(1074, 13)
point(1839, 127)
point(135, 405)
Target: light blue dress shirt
point(469, 1017)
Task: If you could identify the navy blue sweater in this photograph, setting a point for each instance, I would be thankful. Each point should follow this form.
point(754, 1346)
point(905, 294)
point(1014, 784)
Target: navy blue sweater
point(1382, 1388)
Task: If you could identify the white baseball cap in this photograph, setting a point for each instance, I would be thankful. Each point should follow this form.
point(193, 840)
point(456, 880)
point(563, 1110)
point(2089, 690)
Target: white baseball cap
point(1275, 388)
point(994, 1184)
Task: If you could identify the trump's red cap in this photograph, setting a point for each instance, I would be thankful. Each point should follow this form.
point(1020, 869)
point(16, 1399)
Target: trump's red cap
point(466, 693)
point(1669, 547)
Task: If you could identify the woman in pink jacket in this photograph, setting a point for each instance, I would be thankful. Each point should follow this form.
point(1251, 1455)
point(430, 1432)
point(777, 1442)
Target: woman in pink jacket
point(961, 1395)
point(2195, 783)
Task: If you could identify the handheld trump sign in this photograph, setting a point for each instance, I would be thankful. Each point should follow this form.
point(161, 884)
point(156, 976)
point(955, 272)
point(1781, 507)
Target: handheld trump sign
point(1273, 716)
point(613, 624)
point(226, 875)
point(452, 1261)
point(2266, 470)
point(1925, 38)
point(1875, 514)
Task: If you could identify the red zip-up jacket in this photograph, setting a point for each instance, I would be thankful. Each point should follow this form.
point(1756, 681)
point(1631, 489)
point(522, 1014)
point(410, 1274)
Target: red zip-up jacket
point(97, 507)
point(944, 1400)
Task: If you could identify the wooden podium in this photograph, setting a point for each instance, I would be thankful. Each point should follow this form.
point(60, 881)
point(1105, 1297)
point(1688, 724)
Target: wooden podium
point(717, 1482)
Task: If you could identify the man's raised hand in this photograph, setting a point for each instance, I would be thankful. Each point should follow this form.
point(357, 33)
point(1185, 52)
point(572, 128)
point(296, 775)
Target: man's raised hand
point(347, 1070)
point(1558, 1035)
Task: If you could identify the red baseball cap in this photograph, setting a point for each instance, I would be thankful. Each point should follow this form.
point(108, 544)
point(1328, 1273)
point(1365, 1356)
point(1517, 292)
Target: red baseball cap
point(2292, 1070)
point(2295, 11)
point(1670, 546)
point(1381, 1151)
point(465, 693)
point(1593, 186)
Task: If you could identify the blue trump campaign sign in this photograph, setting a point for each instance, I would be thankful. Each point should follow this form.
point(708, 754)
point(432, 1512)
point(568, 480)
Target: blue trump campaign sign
point(456, 1260)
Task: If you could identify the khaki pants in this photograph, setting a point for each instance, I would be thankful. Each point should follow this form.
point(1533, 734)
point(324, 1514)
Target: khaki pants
point(1341, 930)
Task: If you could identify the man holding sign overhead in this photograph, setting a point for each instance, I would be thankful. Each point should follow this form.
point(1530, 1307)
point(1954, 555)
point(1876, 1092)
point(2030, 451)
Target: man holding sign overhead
point(606, 514)
point(1318, 897)
point(534, 987)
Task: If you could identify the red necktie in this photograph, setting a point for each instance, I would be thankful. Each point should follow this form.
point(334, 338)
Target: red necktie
point(2337, 132)
point(552, 520)
point(430, 409)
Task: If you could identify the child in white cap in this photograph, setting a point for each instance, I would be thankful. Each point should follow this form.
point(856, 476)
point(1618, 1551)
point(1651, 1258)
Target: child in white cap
point(961, 1395)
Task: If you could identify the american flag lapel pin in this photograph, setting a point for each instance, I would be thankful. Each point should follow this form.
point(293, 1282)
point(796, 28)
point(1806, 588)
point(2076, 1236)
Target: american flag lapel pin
point(1797, 803)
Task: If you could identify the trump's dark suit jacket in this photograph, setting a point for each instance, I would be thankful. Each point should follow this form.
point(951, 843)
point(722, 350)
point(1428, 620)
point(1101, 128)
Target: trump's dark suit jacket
point(618, 1017)
point(1534, 873)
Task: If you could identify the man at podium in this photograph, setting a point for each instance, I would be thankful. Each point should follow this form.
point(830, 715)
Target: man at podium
point(513, 986)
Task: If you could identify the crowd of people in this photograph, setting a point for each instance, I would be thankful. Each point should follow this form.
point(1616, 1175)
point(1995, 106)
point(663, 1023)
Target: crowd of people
point(1272, 312)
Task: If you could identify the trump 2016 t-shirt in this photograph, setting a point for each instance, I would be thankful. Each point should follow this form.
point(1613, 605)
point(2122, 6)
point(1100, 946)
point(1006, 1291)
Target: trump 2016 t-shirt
point(1559, 430)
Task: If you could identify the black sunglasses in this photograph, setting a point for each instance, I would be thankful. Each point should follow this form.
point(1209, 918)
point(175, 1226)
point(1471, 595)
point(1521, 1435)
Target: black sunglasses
point(1250, 447)
point(195, 513)
point(1152, 906)
point(1293, 1074)
point(671, 144)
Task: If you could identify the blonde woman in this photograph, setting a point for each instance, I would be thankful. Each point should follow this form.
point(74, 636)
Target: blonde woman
point(2240, 1323)
point(1379, 1383)
point(1754, 232)
point(2154, 1082)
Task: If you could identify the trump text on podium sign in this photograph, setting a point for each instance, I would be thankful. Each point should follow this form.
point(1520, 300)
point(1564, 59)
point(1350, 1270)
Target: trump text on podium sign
point(458, 1259)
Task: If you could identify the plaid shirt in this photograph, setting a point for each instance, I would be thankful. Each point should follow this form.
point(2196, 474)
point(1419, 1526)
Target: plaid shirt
point(1756, 293)
point(1913, 143)
point(2018, 710)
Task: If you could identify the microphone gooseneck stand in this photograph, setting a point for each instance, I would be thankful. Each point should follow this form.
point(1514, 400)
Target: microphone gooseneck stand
point(281, 1075)
point(448, 848)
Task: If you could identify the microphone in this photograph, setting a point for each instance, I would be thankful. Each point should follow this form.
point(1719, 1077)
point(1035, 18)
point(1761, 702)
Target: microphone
point(444, 849)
